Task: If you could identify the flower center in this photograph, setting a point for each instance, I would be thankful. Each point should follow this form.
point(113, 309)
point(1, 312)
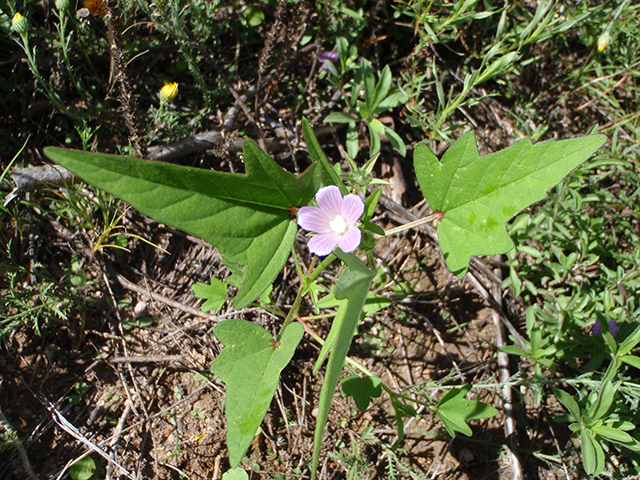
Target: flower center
point(338, 225)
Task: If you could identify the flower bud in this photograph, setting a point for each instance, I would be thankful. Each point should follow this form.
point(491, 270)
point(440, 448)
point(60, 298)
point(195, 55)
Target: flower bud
point(603, 41)
point(19, 24)
point(168, 92)
point(62, 5)
point(368, 242)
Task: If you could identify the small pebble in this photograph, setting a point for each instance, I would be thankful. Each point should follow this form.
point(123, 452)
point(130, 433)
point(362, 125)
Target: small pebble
point(140, 309)
point(466, 456)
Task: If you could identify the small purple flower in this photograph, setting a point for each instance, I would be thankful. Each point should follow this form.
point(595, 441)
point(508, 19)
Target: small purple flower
point(596, 328)
point(333, 221)
point(613, 328)
point(327, 57)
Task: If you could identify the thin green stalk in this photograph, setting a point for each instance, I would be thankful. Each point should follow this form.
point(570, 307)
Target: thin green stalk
point(293, 313)
point(53, 96)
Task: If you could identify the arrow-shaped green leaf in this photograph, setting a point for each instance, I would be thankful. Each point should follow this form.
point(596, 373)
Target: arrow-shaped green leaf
point(362, 389)
point(454, 410)
point(250, 365)
point(477, 195)
point(353, 285)
point(246, 217)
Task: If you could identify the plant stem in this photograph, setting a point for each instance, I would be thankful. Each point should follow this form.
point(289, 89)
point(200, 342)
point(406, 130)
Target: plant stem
point(295, 308)
point(12, 438)
point(415, 223)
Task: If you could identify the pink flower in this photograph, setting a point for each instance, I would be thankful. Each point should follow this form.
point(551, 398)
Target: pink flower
point(333, 221)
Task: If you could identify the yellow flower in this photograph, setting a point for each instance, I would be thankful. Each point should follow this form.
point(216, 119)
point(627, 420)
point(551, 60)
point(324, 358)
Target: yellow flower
point(168, 92)
point(19, 24)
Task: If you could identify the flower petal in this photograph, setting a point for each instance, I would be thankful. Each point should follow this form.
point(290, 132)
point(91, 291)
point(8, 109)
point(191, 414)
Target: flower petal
point(313, 219)
point(352, 208)
point(613, 328)
point(323, 243)
point(350, 240)
point(330, 200)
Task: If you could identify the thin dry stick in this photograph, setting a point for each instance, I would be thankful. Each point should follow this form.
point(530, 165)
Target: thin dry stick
point(557, 445)
point(161, 298)
point(126, 97)
point(507, 398)
point(65, 425)
point(130, 406)
point(148, 359)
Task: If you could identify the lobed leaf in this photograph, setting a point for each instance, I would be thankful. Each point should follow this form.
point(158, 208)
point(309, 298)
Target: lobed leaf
point(215, 294)
point(477, 195)
point(454, 410)
point(362, 390)
point(250, 365)
point(246, 217)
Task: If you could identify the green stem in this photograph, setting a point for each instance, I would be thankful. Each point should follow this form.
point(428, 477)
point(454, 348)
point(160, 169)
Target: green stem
point(53, 96)
point(295, 308)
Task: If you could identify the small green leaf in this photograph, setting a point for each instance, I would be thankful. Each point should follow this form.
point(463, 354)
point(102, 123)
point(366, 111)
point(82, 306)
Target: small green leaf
point(515, 350)
point(370, 205)
point(340, 117)
point(588, 452)
point(631, 360)
point(215, 293)
point(250, 365)
point(84, 469)
point(353, 14)
point(235, 474)
point(353, 142)
point(331, 68)
point(630, 342)
point(477, 195)
point(392, 101)
point(253, 16)
point(592, 453)
point(375, 141)
point(402, 410)
point(396, 141)
point(329, 175)
point(382, 89)
point(369, 82)
point(377, 125)
point(568, 402)
point(605, 399)
point(613, 434)
point(362, 390)
point(374, 303)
